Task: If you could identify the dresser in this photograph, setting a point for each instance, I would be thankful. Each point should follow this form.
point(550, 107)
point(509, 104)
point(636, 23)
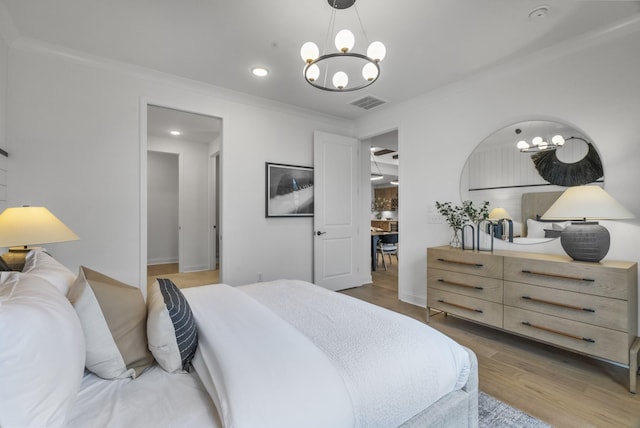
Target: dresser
point(589, 308)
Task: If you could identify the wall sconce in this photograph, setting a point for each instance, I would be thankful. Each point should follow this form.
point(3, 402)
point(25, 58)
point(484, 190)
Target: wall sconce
point(586, 240)
point(21, 227)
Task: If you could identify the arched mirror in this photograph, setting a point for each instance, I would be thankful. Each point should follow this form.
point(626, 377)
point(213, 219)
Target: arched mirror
point(522, 169)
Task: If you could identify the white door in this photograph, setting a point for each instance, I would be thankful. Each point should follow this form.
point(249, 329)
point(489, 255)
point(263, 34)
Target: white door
point(336, 196)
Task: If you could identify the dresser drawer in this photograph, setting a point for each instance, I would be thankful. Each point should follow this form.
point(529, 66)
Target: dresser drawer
point(595, 310)
point(451, 259)
point(481, 287)
point(590, 278)
point(471, 308)
point(602, 342)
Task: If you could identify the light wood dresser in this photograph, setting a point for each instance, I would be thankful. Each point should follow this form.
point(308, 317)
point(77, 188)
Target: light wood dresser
point(589, 308)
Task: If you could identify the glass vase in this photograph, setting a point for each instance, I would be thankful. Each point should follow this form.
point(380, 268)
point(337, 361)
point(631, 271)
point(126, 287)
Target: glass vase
point(455, 239)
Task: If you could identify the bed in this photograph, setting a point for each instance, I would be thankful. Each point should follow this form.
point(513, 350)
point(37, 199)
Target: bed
point(534, 205)
point(277, 354)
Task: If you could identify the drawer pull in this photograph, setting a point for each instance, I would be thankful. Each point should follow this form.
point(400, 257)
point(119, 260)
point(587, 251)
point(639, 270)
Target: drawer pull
point(553, 275)
point(459, 284)
point(460, 306)
point(561, 333)
point(562, 305)
point(461, 263)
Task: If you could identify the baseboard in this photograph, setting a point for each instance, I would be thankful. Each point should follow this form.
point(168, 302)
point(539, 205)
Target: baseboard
point(414, 300)
point(197, 268)
point(161, 261)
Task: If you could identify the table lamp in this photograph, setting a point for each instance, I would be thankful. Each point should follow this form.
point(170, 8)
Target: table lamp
point(499, 216)
point(21, 227)
point(586, 240)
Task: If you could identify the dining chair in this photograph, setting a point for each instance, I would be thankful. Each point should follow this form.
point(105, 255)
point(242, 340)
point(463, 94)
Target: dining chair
point(388, 245)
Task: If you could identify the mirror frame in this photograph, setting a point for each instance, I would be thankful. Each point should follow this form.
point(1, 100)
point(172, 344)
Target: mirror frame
point(503, 173)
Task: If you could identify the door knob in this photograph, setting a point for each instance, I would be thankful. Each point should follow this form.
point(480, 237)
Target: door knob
point(320, 233)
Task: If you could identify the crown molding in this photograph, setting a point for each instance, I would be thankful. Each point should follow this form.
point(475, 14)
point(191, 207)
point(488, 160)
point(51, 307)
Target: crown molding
point(47, 49)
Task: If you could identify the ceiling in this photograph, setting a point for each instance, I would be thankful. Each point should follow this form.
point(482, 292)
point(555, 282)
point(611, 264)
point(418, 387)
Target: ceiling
point(198, 128)
point(430, 43)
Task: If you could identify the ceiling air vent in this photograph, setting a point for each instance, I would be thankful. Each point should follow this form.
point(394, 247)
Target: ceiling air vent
point(368, 102)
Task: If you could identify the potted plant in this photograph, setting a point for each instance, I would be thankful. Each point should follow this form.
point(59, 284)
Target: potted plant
point(476, 215)
point(455, 217)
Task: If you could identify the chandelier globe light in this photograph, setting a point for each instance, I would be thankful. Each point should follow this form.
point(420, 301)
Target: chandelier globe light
point(334, 64)
point(539, 144)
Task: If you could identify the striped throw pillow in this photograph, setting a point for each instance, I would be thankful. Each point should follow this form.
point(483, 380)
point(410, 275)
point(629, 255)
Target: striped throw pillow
point(171, 329)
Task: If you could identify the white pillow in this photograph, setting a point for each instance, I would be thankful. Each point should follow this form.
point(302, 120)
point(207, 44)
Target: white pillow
point(41, 353)
point(38, 262)
point(114, 320)
point(171, 327)
point(535, 229)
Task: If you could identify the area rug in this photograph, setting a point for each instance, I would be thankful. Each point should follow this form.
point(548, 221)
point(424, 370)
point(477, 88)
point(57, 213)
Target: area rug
point(493, 413)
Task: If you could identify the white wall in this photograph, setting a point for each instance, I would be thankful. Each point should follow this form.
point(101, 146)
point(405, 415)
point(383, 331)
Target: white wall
point(162, 207)
point(194, 195)
point(76, 126)
point(592, 84)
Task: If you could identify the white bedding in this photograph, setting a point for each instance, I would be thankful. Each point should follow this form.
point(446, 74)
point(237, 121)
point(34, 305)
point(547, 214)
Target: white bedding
point(389, 367)
point(154, 399)
point(259, 370)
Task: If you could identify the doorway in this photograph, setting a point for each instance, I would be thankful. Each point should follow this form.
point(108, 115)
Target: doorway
point(182, 191)
point(385, 230)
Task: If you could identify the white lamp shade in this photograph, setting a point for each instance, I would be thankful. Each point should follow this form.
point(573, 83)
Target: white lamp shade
point(345, 41)
point(587, 202)
point(313, 72)
point(340, 80)
point(376, 51)
point(23, 226)
point(499, 214)
point(370, 71)
point(309, 52)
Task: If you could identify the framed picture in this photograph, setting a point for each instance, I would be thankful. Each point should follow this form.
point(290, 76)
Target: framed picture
point(289, 190)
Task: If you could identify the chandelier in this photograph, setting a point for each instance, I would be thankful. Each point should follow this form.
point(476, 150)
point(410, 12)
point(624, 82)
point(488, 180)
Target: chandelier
point(539, 144)
point(319, 67)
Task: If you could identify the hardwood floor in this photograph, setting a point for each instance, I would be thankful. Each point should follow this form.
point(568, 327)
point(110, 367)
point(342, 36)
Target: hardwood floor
point(559, 387)
point(182, 280)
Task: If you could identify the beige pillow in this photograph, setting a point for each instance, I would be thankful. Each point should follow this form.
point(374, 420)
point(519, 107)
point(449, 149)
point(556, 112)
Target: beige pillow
point(114, 320)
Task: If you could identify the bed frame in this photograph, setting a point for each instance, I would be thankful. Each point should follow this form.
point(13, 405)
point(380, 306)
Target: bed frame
point(456, 409)
point(536, 204)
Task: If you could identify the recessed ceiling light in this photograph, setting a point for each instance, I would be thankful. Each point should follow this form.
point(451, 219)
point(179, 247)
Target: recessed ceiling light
point(175, 132)
point(259, 71)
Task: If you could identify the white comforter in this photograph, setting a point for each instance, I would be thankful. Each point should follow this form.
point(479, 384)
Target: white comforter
point(291, 354)
point(154, 399)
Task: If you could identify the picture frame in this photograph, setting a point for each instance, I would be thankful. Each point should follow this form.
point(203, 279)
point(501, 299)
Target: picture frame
point(288, 190)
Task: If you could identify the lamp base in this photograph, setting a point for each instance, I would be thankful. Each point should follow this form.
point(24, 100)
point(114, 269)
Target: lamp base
point(585, 241)
point(15, 257)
